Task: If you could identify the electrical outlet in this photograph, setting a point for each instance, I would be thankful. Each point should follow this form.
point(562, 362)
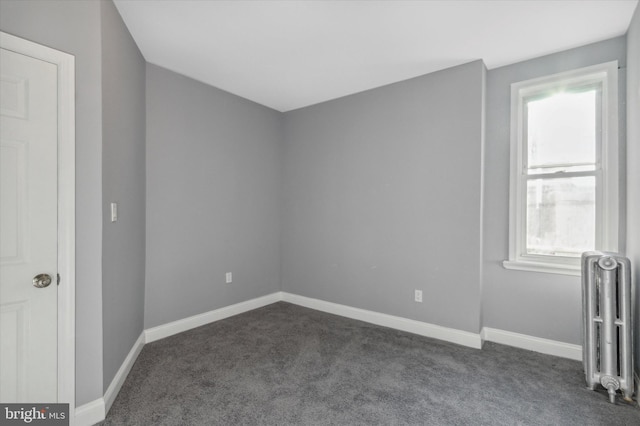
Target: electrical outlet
point(229, 277)
point(418, 296)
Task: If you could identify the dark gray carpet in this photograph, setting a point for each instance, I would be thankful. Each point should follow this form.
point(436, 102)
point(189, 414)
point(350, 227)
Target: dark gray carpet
point(284, 364)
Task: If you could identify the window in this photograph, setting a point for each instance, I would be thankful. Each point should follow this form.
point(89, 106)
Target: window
point(564, 169)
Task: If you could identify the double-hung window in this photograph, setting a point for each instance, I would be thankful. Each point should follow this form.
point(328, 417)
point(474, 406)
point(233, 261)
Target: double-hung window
point(564, 169)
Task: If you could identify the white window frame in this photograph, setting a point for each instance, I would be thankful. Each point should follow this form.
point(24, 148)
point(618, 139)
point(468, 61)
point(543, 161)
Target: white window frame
point(607, 171)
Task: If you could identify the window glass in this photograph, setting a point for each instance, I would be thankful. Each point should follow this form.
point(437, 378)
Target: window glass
point(561, 216)
point(561, 129)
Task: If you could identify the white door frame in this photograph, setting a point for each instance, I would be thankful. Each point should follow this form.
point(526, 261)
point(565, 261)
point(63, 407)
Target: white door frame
point(66, 208)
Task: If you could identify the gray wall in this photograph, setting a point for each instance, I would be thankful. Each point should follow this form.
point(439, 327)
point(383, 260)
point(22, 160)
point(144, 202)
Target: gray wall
point(123, 181)
point(633, 168)
point(74, 27)
point(382, 196)
point(532, 303)
point(213, 204)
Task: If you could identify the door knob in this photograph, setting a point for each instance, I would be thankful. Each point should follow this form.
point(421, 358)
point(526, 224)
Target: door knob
point(42, 280)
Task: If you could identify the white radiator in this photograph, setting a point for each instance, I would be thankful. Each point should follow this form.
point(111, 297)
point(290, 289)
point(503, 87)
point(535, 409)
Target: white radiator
point(607, 331)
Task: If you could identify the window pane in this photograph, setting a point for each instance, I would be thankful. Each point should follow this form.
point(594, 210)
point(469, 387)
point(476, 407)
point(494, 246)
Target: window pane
point(561, 216)
point(561, 129)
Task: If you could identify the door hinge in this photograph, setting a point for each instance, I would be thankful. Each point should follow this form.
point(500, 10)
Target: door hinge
point(58, 277)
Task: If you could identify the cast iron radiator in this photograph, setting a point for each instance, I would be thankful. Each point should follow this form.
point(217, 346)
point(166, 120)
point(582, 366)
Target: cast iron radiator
point(607, 329)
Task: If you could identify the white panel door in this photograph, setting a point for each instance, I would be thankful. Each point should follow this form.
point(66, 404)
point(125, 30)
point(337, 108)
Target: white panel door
point(28, 228)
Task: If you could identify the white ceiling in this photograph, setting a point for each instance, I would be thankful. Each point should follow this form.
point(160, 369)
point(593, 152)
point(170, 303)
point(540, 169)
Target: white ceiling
point(290, 54)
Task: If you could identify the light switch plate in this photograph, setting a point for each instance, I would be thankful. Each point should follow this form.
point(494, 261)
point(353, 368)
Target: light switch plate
point(114, 212)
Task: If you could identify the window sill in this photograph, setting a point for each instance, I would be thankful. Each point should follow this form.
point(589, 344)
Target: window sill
point(549, 268)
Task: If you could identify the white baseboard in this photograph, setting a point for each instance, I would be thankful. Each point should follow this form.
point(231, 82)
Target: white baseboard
point(531, 343)
point(90, 413)
point(175, 327)
point(465, 338)
point(453, 335)
point(123, 372)
point(95, 411)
